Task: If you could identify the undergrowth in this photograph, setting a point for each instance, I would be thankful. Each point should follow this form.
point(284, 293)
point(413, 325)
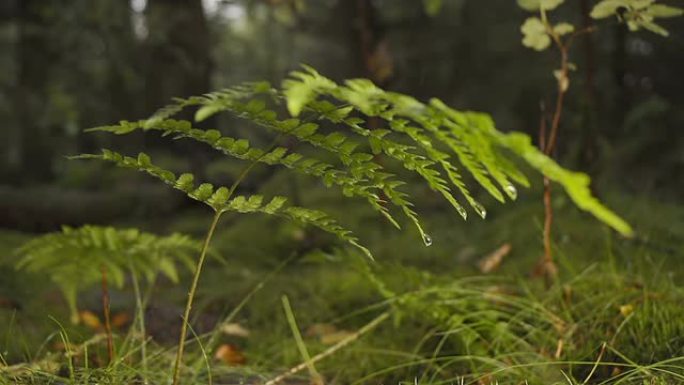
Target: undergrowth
point(617, 319)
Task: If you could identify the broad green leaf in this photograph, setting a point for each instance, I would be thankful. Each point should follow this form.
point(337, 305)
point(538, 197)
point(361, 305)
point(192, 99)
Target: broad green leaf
point(640, 4)
point(607, 8)
point(653, 27)
point(534, 34)
point(537, 5)
point(561, 29)
point(664, 11)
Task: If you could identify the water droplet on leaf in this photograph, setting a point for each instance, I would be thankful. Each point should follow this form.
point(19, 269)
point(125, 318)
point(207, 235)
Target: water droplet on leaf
point(511, 191)
point(427, 240)
point(462, 212)
point(481, 211)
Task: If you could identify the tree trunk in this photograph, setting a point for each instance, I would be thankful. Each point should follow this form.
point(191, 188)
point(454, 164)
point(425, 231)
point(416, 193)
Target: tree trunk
point(178, 45)
point(179, 63)
point(34, 151)
point(590, 127)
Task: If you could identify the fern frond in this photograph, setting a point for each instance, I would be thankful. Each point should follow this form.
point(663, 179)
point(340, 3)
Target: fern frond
point(219, 199)
point(319, 219)
point(369, 174)
point(404, 154)
point(303, 87)
point(472, 137)
point(440, 144)
point(350, 184)
point(576, 184)
point(373, 101)
point(74, 257)
point(242, 91)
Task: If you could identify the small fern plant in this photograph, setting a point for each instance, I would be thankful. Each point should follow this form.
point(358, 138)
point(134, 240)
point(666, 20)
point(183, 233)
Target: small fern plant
point(437, 143)
point(75, 258)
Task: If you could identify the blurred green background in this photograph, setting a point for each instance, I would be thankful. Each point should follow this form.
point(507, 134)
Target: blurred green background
point(69, 65)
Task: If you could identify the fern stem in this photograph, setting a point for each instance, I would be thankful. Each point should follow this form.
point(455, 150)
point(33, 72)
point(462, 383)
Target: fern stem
point(141, 321)
point(200, 263)
point(191, 296)
point(107, 317)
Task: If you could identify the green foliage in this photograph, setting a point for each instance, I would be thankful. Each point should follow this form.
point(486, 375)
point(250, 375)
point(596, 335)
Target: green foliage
point(75, 258)
point(537, 5)
point(480, 148)
point(539, 32)
point(637, 14)
point(535, 35)
point(428, 139)
point(221, 199)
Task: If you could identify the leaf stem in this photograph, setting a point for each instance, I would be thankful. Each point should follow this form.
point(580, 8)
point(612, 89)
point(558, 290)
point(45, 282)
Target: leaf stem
point(548, 145)
point(198, 271)
point(106, 313)
point(141, 320)
point(191, 296)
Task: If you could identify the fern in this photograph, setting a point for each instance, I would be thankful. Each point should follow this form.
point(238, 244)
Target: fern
point(436, 142)
point(479, 146)
point(349, 182)
point(439, 136)
point(219, 199)
point(369, 174)
point(74, 257)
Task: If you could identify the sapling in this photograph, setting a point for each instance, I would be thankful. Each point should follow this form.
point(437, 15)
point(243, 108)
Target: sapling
point(540, 33)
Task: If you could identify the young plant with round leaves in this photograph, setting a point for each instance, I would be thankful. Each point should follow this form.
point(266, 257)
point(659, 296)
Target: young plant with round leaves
point(637, 14)
point(539, 33)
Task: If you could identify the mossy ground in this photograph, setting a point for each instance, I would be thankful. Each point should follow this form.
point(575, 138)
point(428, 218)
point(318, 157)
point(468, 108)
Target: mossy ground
point(615, 315)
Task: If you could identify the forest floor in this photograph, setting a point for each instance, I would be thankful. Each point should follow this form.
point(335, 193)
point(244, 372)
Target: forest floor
point(465, 310)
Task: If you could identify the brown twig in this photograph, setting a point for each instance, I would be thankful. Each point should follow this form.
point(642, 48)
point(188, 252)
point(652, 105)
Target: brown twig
point(107, 318)
point(548, 144)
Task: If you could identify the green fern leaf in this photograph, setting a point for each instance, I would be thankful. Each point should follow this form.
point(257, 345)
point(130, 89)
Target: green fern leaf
point(74, 258)
point(445, 147)
point(352, 183)
point(470, 136)
point(219, 201)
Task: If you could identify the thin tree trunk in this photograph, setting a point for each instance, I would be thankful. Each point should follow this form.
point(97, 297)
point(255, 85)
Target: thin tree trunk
point(34, 152)
point(376, 60)
point(589, 134)
point(619, 75)
point(178, 61)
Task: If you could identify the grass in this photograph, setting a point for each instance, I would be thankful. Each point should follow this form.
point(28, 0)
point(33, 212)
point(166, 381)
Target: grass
point(614, 317)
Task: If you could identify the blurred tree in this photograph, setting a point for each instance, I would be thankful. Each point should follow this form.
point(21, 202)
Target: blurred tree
point(73, 64)
point(32, 149)
point(178, 60)
point(178, 51)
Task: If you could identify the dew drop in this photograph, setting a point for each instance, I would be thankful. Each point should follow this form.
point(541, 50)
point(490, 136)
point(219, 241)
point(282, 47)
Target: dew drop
point(462, 212)
point(481, 211)
point(511, 191)
point(427, 240)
